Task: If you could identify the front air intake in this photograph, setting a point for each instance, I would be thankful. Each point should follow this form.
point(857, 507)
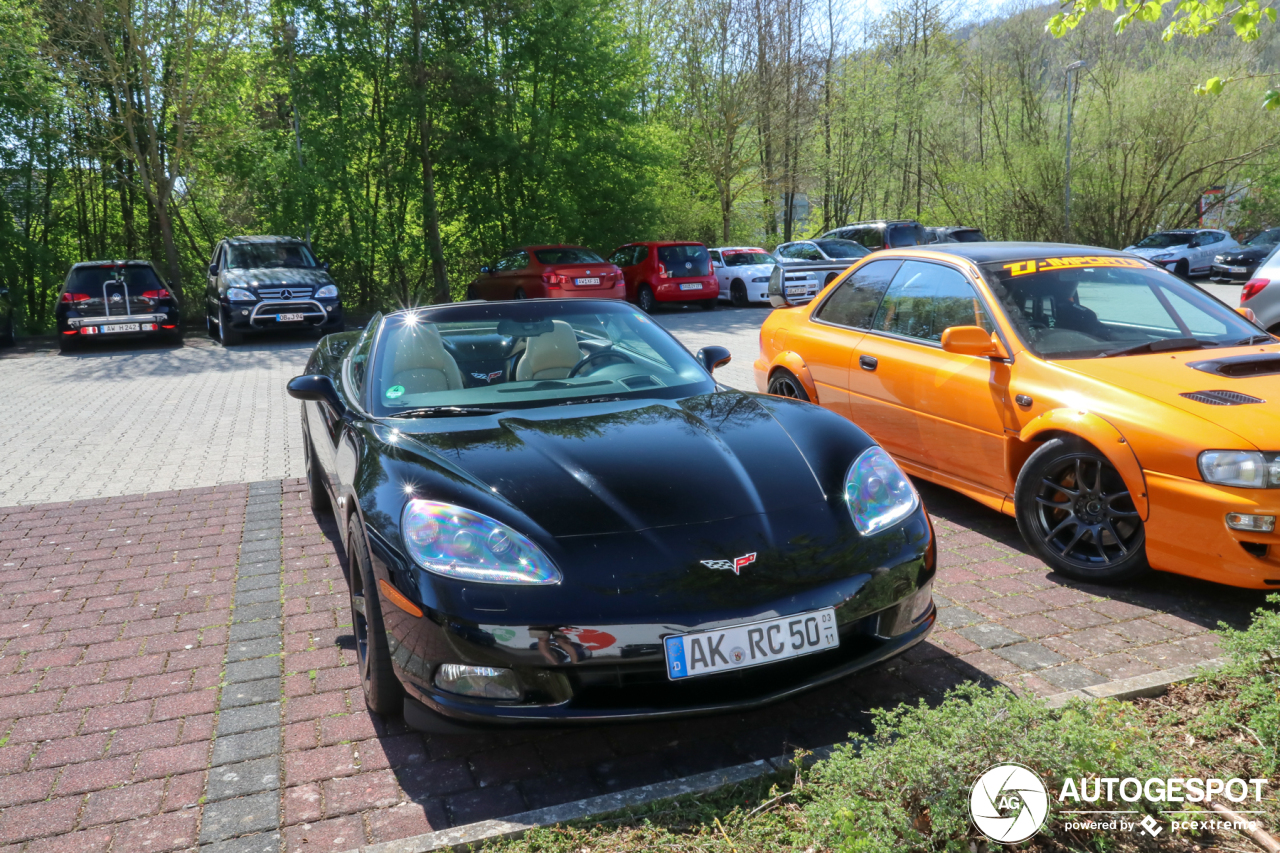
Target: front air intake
point(1221, 398)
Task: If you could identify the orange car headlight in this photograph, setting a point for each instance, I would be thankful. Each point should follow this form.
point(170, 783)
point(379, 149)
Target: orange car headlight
point(1244, 469)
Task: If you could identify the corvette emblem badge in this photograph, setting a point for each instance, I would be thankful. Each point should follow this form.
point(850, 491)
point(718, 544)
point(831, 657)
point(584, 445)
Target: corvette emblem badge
point(735, 565)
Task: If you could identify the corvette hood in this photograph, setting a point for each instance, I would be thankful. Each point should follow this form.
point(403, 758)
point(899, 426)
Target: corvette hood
point(625, 467)
point(277, 277)
point(1251, 371)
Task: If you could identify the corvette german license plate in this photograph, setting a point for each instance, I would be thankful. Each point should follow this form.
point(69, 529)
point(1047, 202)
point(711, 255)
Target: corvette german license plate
point(585, 281)
point(122, 327)
point(694, 286)
point(288, 318)
point(750, 644)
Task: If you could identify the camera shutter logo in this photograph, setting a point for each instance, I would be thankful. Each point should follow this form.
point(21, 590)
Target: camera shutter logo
point(1009, 803)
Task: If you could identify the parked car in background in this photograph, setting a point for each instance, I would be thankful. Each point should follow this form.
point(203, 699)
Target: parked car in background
point(115, 299)
point(260, 284)
point(1119, 413)
point(6, 318)
point(825, 251)
point(1186, 252)
point(1237, 265)
point(954, 234)
point(742, 272)
point(1261, 294)
point(882, 233)
point(659, 272)
point(548, 272)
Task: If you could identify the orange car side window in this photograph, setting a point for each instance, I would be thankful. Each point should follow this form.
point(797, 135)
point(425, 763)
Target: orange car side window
point(854, 302)
point(926, 299)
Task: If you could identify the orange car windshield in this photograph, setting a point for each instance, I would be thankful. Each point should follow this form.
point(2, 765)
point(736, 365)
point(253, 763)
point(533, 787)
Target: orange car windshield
point(1090, 307)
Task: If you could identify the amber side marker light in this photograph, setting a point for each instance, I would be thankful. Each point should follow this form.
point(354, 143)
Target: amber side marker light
point(397, 598)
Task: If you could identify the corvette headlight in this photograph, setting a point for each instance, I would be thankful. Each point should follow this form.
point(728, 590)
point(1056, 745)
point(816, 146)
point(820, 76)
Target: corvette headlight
point(1246, 469)
point(879, 495)
point(238, 294)
point(329, 291)
point(458, 543)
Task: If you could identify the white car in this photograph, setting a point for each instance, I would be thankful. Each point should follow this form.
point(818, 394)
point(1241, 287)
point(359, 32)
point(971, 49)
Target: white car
point(1186, 252)
point(743, 273)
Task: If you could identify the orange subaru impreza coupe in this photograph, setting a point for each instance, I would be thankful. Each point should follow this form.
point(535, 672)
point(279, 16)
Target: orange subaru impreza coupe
point(1127, 419)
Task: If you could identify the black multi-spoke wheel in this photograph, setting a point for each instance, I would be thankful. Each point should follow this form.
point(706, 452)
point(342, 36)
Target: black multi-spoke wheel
point(1077, 514)
point(783, 383)
point(382, 692)
point(315, 487)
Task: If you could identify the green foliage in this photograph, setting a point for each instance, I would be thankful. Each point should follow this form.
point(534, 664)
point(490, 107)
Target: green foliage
point(1254, 659)
point(908, 787)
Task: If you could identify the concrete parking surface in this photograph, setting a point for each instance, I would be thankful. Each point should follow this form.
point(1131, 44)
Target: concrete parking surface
point(125, 418)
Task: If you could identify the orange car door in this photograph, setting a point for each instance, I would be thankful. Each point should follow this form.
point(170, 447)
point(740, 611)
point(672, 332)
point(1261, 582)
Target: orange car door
point(936, 409)
point(835, 328)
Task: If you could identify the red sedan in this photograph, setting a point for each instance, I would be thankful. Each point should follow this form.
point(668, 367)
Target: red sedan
point(667, 272)
point(557, 272)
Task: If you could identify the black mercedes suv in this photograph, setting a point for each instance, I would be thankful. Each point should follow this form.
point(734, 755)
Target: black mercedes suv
point(257, 284)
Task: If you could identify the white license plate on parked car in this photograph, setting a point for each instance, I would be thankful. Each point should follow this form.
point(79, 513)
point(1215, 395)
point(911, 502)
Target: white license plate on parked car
point(584, 281)
point(122, 327)
point(1237, 269)
point(288, 318)
point(801, 290)
point(750, 644)
point(694, 286)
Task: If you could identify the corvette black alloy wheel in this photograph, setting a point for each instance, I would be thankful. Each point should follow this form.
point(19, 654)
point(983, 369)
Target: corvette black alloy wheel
point(382, 692)
point(1077, 513)
point(784, 384)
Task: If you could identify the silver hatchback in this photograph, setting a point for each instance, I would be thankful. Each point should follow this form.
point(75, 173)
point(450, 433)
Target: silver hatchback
point(1261, 293)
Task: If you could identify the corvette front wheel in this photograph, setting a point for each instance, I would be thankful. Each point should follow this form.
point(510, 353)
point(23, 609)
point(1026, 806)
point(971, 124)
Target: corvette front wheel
point(382, 691)
point(1076, 513)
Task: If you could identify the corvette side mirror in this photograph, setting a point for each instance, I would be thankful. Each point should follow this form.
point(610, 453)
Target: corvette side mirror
point(713, 357)
point(973, 340)
point(318, 388)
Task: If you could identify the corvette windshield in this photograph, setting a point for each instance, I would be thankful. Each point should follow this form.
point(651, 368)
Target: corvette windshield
point(1111, 306)
point(507, 355)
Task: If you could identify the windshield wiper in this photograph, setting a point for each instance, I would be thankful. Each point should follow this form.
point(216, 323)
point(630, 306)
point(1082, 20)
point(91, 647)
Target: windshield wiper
point(445, 412)
point(1163, 345)
point(1253, 339)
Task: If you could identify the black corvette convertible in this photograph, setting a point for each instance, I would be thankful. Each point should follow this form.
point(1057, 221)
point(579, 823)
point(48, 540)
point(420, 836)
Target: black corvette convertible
point(554, 515)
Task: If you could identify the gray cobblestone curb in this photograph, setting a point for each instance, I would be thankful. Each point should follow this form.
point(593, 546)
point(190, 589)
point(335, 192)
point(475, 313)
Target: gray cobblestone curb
point(241, 811)
point(474, 835)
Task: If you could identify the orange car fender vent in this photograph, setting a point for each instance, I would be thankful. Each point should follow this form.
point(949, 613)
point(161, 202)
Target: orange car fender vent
point(398, 598)
point(1221, 398)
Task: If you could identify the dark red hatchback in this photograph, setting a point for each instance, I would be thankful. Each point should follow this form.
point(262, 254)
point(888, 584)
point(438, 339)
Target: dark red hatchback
point(557, 272)
point(667, 272)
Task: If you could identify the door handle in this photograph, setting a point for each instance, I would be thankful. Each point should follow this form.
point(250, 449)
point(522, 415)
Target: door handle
point(868, 362)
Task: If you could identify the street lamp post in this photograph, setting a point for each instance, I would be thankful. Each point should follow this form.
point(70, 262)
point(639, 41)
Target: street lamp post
point(1071, 103)
point(290, 35)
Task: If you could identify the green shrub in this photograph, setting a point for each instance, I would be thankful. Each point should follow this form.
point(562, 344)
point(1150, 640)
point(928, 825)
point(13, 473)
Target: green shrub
point(907, 788)
point(1254, 663)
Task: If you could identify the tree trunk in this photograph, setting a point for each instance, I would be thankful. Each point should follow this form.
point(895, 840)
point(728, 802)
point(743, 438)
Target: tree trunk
point(430, 211)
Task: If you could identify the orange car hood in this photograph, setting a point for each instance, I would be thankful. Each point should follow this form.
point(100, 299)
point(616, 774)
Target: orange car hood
point(1165, 377)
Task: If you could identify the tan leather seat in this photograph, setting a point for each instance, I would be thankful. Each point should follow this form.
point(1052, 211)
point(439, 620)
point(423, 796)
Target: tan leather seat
point(550, 356)
point(421, 364)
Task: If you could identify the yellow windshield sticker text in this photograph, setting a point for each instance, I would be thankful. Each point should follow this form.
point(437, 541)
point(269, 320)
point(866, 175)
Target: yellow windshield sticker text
point(1045, 264)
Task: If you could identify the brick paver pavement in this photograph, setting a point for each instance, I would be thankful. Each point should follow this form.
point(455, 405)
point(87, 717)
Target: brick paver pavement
point(116, 671)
